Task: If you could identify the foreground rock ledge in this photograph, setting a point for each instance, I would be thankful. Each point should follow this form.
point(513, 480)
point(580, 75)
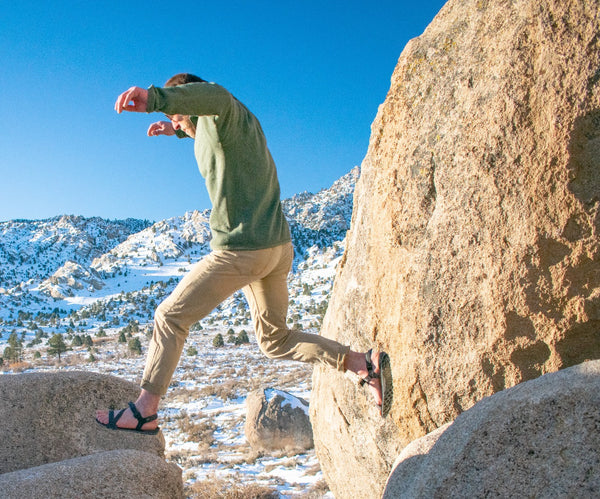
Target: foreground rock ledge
point(540, 437)
point(118, 473)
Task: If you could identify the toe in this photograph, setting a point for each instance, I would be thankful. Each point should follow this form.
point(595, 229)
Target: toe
point(102, 417)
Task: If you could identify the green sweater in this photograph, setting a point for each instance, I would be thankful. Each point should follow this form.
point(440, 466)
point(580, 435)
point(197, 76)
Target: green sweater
point(232, 155)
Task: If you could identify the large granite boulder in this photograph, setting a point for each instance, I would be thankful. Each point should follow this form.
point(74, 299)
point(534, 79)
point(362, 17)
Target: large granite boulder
point(118, 473)
point(49, 417)
point(473, 256)
point(277, 421)
point(538, 438)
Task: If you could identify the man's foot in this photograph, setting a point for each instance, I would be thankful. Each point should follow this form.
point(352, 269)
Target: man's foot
point(128, 419)
point(370, 375)
point(378, 375)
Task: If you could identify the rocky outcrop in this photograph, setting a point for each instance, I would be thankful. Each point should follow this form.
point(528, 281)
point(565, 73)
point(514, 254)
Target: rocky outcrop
point(48, 426)
point(473, 256)
point(277, 421)
point(538, 437)
point(110, 474)
point(69, 278)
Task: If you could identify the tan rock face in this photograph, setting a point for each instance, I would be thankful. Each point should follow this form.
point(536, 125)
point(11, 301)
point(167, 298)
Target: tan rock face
point(473, 256)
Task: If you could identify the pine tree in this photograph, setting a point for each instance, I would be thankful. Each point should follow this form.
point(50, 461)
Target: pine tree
point(56, 345)
point(14, 351)
point(218, 341)
point(135, 346)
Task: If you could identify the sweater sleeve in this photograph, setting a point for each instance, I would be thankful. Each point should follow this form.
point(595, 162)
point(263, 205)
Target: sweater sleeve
point(191, 99)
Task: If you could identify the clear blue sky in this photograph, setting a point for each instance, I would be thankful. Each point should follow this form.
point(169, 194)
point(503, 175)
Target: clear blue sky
point(313, 72)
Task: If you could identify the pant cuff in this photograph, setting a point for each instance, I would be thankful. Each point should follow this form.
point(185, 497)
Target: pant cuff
point(153, 388)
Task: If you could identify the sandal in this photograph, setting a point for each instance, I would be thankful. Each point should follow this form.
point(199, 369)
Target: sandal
point(112, 421)
point(385, 375)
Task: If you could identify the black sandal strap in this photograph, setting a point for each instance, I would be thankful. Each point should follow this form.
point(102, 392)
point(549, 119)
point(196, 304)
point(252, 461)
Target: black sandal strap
point(112, 419)
point(141, 420)
point(370, 369)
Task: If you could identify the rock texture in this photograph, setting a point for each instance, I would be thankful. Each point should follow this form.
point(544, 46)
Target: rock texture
point(277, 421)
point(50, 417)
point(539, 436)
point(110, 474)
point(473, 256)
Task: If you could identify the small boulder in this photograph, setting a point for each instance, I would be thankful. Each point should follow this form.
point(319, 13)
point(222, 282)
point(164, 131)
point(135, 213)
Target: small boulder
point(277, 421)
point(538, 437)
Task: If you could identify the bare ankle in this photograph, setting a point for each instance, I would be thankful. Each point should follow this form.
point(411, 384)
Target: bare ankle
point(147, 402)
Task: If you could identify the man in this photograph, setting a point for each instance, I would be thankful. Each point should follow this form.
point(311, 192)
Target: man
point(251, 247)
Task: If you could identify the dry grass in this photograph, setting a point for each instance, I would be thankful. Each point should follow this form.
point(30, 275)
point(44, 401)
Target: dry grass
point(317, 491)
point(16, 367)
point(200, 429)
point(229, 389)
point(217, 488)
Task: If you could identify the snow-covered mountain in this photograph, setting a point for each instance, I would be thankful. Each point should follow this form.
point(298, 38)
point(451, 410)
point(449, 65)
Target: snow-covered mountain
point(323, 218)
point(32, 250)
point(120, 270)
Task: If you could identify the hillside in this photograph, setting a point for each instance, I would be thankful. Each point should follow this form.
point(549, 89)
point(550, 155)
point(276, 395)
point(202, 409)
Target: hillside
point(71, 274)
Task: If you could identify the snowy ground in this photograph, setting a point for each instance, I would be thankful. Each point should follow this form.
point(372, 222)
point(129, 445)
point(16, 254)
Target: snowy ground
point(203, 415)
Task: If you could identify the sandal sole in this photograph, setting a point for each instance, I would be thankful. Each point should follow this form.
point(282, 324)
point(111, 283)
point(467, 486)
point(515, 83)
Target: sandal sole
point(387, 385)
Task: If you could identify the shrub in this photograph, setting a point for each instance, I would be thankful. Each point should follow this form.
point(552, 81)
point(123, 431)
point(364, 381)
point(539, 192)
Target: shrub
point(135, 346)
point(218, 341)
point(242, 338)
point(192, 351)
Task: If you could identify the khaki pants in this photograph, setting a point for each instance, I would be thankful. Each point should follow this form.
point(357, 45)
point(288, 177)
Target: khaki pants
point(262, 275)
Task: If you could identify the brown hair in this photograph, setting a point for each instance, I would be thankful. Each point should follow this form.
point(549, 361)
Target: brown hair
point(182, 79)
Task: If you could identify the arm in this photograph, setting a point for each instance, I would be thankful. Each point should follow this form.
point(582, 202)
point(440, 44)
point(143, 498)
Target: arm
point(192, 99)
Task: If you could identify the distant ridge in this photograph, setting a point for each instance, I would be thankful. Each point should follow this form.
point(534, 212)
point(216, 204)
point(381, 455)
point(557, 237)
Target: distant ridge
point(71, 261)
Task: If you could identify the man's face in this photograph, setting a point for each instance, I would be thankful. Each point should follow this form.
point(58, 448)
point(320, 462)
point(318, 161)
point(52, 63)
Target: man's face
point(182, 122)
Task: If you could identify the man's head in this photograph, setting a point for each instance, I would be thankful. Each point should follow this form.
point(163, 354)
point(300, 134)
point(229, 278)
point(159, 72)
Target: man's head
point(182, 79)
point(180, 121)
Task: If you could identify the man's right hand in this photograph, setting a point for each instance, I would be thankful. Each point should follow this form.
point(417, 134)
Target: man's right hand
point(161, 128)
point(135, 100)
